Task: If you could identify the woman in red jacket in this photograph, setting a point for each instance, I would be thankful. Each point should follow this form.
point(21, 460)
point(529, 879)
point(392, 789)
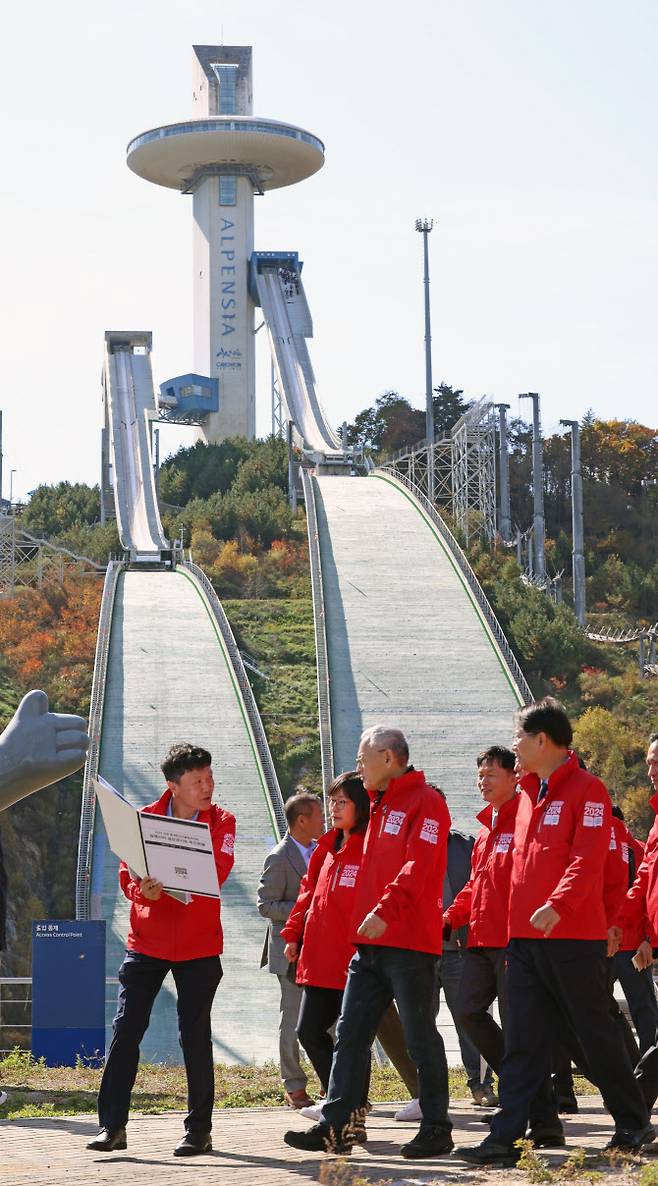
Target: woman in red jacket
point(317, 932)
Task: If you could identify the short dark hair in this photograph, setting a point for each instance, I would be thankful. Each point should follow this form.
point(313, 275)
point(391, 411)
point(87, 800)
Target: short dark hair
point(182, 758)
point(499, 754)
point(549, 717)
point(351, 784)
point(653, 737)
point(617, 812)
point(301, 803)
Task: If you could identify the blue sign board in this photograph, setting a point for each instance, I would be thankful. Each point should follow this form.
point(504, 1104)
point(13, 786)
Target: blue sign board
point(68, 992)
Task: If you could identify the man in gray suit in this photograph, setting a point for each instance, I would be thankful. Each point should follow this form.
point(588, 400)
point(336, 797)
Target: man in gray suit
point(279, 885)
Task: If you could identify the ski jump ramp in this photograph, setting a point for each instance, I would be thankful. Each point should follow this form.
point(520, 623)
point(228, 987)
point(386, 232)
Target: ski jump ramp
point(168, 670)
point(407, 643)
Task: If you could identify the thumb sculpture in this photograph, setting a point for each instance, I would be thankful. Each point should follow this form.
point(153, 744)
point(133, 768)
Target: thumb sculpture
point(38, 748)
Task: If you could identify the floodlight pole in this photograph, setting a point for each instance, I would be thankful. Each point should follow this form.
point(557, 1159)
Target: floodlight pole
point(538, 520)
point(577, 528)
point(424, 226)
point(505, 525)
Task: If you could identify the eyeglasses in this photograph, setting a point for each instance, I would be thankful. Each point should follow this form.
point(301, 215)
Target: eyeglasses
point(340, 803)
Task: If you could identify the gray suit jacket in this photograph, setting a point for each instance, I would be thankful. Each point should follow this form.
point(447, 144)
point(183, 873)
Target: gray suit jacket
point(277, 893)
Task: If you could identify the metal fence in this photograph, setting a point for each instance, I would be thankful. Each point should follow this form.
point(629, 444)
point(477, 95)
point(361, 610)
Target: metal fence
point(319, 621)
point(16, 1010)
point(88, 807)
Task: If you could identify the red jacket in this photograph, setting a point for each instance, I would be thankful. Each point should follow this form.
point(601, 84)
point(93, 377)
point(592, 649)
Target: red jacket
point(633, 936)
point(560, 849)
point(404, 864)
point(166, 929)
point(642, 897)
point(484, 901)
point(615, 878)
point(320, 918)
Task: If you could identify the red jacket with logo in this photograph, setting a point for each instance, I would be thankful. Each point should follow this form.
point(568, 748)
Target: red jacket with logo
point(321, 916)
point(560, 850)
point(404, 864)
point(483, 903)
point(166, 929)
point(642, 898)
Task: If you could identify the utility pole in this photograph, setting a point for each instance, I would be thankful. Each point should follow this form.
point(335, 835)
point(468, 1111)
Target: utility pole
point(538, 520)
point(505, 524)
point(578, 533)
point(424, 226)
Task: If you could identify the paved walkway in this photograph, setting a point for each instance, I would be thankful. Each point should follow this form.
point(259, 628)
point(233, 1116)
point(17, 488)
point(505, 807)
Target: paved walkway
point(250, 1151)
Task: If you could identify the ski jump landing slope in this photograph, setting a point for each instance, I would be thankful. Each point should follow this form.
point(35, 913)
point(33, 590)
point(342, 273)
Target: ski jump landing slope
point(407, 643)
point(169, 679)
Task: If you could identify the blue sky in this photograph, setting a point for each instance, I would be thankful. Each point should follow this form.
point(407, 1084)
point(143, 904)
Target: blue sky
point(526, 131)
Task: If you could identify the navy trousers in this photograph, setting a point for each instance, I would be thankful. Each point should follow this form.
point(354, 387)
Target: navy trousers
point(378, 975)
point(140, 978)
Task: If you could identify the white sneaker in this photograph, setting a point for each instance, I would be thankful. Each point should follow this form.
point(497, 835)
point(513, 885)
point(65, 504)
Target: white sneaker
point(3, 1097)
point(314, 1111)
point(410, 1111)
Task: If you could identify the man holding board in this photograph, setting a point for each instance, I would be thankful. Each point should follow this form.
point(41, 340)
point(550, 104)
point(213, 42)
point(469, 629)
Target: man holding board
point(181, 934)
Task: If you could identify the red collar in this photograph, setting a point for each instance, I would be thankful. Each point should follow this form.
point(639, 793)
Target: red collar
point(505, 811)
point(530, 782)
point(411, 780)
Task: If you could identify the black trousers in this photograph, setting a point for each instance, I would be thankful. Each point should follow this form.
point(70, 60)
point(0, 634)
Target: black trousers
point(319, 1010)
point(547, 978)
point(483, 979)
point(140, 978)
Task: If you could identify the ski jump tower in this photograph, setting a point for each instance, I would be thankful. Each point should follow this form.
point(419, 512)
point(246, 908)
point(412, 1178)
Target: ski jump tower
point(223, 156)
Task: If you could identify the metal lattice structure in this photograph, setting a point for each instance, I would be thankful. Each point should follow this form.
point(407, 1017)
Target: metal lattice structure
point(28, 560)
point(279, 411)
point(464, 476)
point(474, 471)
point(412, 464)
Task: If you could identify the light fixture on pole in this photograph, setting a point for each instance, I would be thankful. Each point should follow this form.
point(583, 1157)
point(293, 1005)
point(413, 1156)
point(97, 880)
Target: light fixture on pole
point(424, 227)
point(538, 521)
point(577, 529)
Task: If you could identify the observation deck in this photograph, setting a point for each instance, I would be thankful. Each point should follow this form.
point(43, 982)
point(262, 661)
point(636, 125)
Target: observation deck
point(274, 154)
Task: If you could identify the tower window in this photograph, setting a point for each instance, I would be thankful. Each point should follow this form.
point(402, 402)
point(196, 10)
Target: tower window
point(227, 76)
point(228, 190)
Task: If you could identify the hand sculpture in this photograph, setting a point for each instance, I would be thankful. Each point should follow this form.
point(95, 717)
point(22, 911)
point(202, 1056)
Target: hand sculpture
point(38, 748)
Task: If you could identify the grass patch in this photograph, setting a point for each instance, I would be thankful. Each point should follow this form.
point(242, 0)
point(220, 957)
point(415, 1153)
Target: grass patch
point(37, 1090)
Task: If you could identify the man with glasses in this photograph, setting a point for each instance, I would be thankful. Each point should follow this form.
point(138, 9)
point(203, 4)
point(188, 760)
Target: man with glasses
point(397, 927)
point(556, 958)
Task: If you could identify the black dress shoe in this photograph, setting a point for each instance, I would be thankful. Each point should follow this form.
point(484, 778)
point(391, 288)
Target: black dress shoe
point(546, 1138)
point(567, 1105)
point(320, 1139)
point(192, 1144)
point(631, 1140)
point(431, 1140)
point(489, 1153)
point(108, 1140)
